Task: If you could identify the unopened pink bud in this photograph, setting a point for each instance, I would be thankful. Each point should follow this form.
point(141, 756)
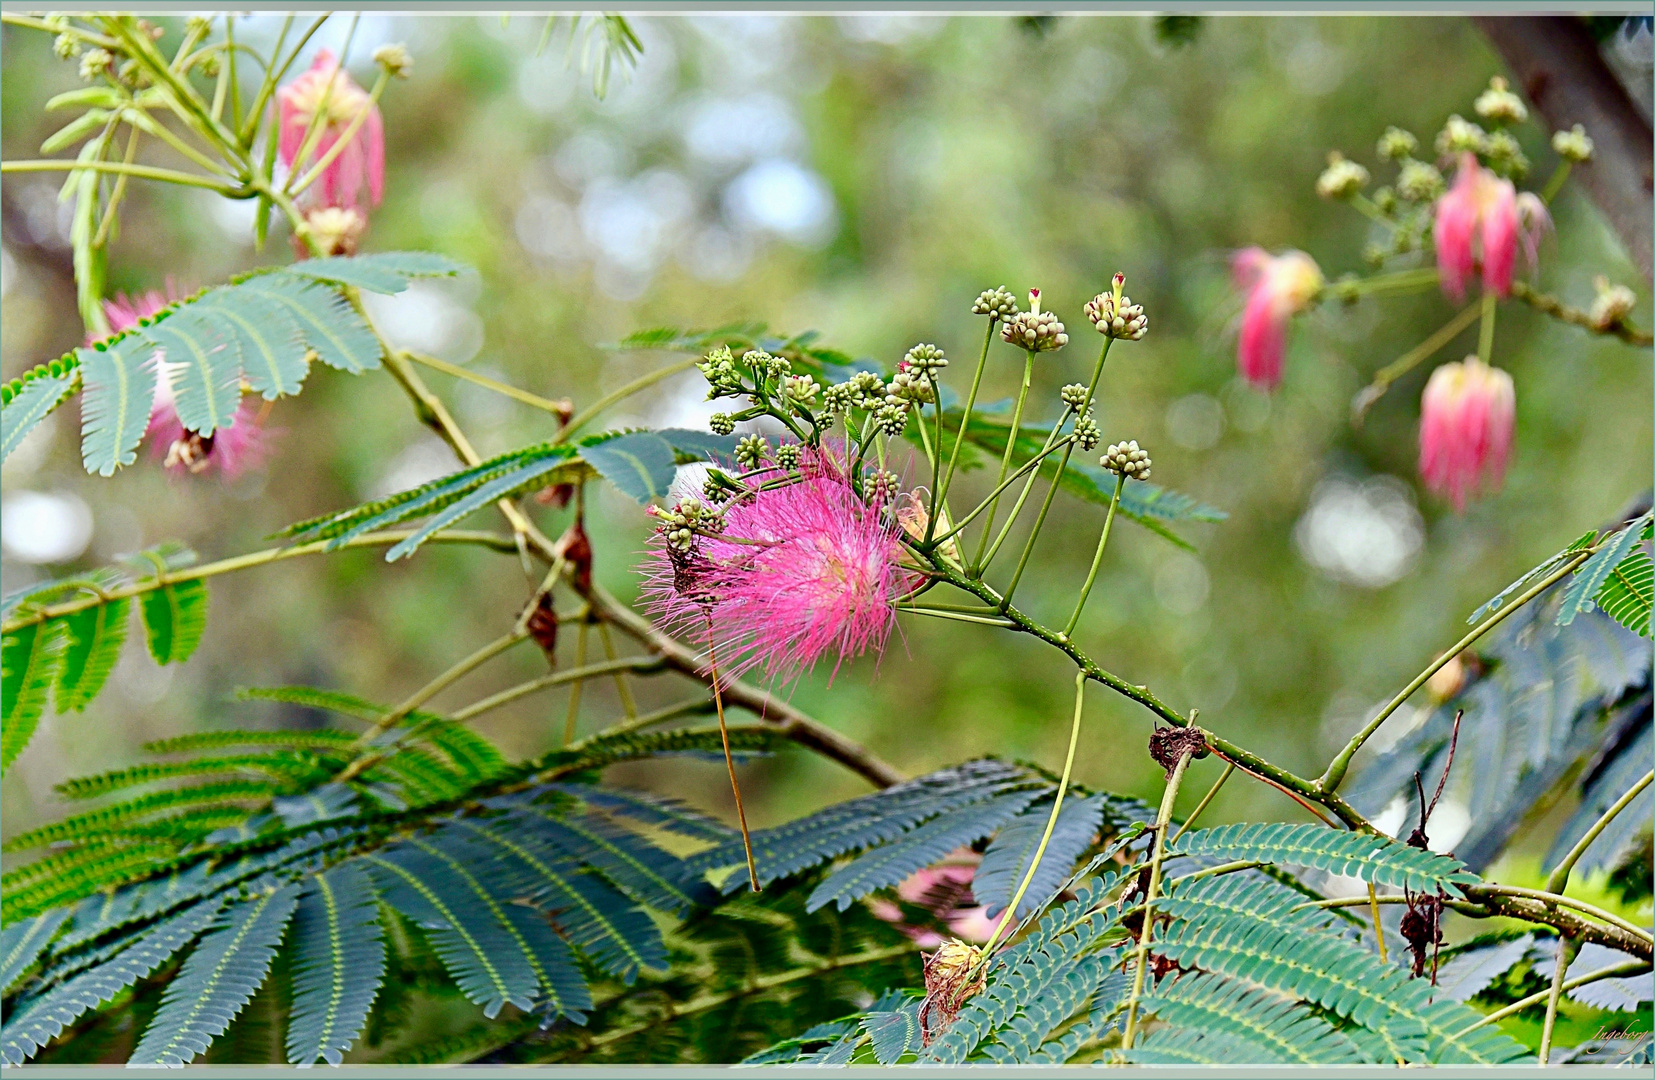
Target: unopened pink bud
point(1467, 417)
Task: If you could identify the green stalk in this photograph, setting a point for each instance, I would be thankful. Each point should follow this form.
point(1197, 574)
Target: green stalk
point(1142, 955)
point(1062, 465)
point(1005, 459)
point(643, 382)
point(1337, 768)
point(1023, 496)
point(965, 422)
point(1565, 953)
point(313, 129)
point(1032, 463)
point(1560, 876)
point(1485, 336)
point(1555, 184)
point(1010, 913)
point(1097, 559)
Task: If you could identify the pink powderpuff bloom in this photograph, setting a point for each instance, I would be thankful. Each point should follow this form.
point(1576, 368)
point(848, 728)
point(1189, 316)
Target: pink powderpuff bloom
point(1465, 429)
point(1483, 219)
point(232, 449)
point(809, 570)
point(1277, 287)
point(945, 891)
point(360, 168)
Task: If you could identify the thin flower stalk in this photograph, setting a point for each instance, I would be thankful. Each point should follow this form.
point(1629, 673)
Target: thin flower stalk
point(1097, 558)
point(1005, 461)
point(941, 496)
point(1162, 819)
point(1559, 878)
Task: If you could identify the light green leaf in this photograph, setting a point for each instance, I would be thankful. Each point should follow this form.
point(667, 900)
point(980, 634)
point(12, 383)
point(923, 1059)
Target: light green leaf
point(29, 658)
point(175, 616)
point(95, 637)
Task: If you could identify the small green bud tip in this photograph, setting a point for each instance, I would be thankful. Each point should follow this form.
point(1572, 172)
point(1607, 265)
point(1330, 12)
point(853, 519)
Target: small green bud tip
point(1459, 135)
point(1419, 182)
point(1613, 304)
point(1341, 179)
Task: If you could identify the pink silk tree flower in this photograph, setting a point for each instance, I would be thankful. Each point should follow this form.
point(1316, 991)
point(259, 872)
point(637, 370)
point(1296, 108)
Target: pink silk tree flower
point(1483, 220)
point(232, 449)
point(793, 574)
point(1465, 429)
point(1277, 287)
point(355, 180)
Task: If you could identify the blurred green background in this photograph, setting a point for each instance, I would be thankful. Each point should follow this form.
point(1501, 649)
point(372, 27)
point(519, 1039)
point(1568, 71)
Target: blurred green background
point(865, 176)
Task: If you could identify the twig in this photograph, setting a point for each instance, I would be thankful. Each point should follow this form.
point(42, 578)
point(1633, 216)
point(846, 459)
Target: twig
point(642, 665)
point(559, 409)
point(1560, 876)
point(643, 382)
point(1142, 956)
point(578, 684)
point(1565, 953)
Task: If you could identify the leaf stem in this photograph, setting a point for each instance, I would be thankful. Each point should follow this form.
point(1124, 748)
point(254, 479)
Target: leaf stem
point(1485, 334)
point(1010, 914)
point(642, 665)
point(643, 382)
point(558, 408)
point(1565, 953)
point(1335, 774)
point(1097, 559)
point(1229, 768)
point(622, 689)
point(497, 541)
point(992, 496)
point(1142, 955)
point(1385, 376)
point(1559, 879)
point(965, 421)
point(1005, 461)
point(144, 172)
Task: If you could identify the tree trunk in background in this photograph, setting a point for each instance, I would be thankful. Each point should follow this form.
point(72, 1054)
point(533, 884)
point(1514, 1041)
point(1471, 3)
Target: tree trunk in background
point(1556, 63)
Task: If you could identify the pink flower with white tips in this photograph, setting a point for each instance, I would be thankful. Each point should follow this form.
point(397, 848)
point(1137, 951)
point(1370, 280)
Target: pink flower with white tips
point(1482, 220)
point(235, 447)
point(1278, 287)
point(355, 180)
point(791, 574)
point(1465, 430)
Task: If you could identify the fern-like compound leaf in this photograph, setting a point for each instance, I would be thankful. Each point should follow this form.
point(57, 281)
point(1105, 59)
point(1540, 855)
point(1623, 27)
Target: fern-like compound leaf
point(175, 617)
point(1371, 857)
point(223, 972)
point(382, 272)
point(871, 819)
point(1008, 857)
point(1629, 592)
point(338, 963)
point(34, 400)
point(327, 323)
point(596, 918)
point(118, 390)
point(22, 942)
point(37, 1021)
point(478, 949)
point(204, 368)
point(269, 345)
point(890, 863)
point(29, 659)
point(93, 645)
point(1596, 570)
point(1276, 1031)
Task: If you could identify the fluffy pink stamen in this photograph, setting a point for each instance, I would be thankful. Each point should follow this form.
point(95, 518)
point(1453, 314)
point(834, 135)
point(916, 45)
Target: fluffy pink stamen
point(1277, 287)
point(810, 572)
point(355, 180)
point(1467, 417)
point(1482, 219)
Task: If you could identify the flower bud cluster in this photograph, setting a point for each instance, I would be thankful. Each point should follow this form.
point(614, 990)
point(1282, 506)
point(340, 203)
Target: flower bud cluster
point(680, 524)
point(66, 46)
point(1498, 105)
point(996, 303)
point(1086, 432)
point(1420, 182)
point(926, 359)
point(1460, 135)
point(892, 417)
point(1397, 144)
point(1074, 395)
point(95, 62)
point(908, 385)
point(719, 369)
point(1613, 303)
point(1117, 318)
point(1126, 459)
point(751, 451)
point(721, 423)
point(1036, 331)
point(1573, 145)
point(800, 390)
point(1342, 178)
point(882, 485)
point(1505, 155)
point(788, 455)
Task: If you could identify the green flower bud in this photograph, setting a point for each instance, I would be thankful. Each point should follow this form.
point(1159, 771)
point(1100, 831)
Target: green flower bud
point(751, 451)
point(1341, 179)
point(1460, 135)
point(1499, 105)
point(1074, 395)
point(788, 454)
point(1419, 182)
point(721, 423)
point(1397, 144)
point(925, 360)
point(1035, 331)
point(892, 417)
point(1087, 433)
point(1573, 145)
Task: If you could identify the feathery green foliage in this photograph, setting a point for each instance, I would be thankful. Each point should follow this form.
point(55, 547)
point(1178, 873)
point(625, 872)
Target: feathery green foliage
point(29, 658)
point(1373, 858)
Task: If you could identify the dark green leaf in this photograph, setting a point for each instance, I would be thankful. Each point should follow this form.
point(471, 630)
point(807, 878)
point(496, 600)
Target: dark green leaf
point(338, 964)
point(29, 658)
